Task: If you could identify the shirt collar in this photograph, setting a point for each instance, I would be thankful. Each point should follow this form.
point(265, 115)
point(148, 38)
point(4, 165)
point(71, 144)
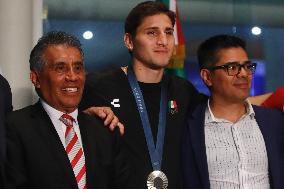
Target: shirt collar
point(54, 113)
point(249, 109)
point(211, 118)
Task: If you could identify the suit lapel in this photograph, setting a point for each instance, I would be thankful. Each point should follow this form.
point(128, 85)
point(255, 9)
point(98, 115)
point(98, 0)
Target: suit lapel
point(53, 142)
point(196, 126)
point(266, 127)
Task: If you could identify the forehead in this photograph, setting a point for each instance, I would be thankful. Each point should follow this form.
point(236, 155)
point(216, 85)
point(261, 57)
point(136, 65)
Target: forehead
point(155, 21)
point(61, 52)
point(235, 54)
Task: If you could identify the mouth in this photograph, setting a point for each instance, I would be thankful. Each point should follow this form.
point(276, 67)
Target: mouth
point(70, 89)
point(242, 85)
point(161, 51)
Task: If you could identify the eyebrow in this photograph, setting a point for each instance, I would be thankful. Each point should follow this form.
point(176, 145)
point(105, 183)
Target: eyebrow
point(157, 28)
point(239, 62)
point(152, 28)
point(62, 62)
point(78, 62)
point(57, 63)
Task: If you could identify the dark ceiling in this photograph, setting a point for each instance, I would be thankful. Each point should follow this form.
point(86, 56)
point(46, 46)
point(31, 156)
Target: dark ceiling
point(256, 12)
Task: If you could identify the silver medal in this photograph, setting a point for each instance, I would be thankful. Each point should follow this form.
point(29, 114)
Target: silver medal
point(157, 180)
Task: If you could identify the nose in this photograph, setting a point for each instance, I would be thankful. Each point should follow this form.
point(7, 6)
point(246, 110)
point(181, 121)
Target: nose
point(242, 72)
point(162, 39)
point(71, 75)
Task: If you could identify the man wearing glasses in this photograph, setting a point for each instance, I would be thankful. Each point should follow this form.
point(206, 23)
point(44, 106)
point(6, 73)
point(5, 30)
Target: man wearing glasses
point(228, 142)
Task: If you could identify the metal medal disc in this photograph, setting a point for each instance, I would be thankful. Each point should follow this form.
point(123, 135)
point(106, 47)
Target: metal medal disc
point(157, 180)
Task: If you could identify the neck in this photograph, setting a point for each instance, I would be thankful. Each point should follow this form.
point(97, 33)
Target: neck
point(147, 75)
point(227, 110)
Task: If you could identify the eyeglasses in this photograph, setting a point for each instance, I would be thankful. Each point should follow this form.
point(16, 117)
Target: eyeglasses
point(234, 68)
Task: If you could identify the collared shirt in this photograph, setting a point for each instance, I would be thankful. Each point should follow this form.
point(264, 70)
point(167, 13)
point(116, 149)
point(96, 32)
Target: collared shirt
point(236, 152)
point(59, 126)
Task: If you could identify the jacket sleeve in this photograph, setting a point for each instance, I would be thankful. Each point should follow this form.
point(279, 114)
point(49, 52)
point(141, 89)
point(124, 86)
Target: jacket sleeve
point(15, 170)
point(122, 167)
point(191, 177)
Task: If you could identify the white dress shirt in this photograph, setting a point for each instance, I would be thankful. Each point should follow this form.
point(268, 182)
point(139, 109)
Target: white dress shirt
point(236, 152)
point(59, 126)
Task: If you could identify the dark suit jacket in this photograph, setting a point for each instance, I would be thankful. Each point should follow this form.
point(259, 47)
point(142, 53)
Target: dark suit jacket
point(195, 168)
point(5, 107)
point(36, 158)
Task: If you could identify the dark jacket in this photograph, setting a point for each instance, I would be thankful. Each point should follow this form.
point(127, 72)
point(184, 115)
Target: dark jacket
point(5, 107)
point(37, 159)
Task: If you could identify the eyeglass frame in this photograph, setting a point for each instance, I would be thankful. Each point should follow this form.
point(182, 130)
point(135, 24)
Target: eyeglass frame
point(240, 66)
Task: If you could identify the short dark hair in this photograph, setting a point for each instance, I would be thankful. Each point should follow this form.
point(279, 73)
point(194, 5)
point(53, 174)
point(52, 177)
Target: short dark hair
point(208, 51)
point(51, 38)
point(142, 10)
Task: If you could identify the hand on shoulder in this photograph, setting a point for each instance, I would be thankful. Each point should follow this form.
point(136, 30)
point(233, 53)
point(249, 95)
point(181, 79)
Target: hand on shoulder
point(110, 119)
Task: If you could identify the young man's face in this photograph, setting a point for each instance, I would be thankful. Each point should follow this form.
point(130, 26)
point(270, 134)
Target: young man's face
point(61, 81)
point(231, 88)
point(153, 43)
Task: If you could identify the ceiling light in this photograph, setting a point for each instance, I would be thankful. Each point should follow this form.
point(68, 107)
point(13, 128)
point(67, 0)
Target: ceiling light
point(256, 30)
point(88, 35)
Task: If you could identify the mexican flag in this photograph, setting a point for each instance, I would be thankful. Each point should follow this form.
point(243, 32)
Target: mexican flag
point(176, 65)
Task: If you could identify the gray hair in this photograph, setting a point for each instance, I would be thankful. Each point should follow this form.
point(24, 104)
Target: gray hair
point(51, 38)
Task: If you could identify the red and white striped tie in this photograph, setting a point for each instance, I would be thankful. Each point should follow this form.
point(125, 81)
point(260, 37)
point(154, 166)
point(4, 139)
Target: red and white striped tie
point(74, 151)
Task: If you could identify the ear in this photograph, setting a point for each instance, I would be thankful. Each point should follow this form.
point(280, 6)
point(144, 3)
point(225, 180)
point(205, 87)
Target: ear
point(35, 79)
point(205, 74)
point(128, 41)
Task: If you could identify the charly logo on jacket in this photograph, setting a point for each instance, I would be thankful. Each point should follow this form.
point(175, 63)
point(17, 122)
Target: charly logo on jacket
point(115, 103)
point(173, 108)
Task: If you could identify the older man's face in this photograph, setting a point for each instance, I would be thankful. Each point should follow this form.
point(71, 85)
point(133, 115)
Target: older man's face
point(61, 81)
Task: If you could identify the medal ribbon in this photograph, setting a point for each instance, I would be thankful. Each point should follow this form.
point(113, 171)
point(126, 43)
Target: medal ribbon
point(156, 153)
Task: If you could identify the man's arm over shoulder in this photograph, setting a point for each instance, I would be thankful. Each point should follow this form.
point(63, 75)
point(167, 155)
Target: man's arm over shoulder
point(270, 100)
point(275, 100)
point(194, 96)
point(96, 94)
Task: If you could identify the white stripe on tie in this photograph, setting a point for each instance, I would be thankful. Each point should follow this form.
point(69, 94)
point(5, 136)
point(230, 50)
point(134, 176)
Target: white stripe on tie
point(74, 151)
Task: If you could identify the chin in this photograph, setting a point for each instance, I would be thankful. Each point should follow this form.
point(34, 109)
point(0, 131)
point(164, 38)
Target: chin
point(72, 104)
point(159, 66)
point(244, 97)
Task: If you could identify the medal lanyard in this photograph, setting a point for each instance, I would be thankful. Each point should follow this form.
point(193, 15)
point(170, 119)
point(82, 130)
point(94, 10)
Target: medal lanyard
point(156, 153)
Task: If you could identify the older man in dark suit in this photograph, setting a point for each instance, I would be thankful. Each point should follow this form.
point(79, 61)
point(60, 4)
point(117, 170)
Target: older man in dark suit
point(51, 144)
